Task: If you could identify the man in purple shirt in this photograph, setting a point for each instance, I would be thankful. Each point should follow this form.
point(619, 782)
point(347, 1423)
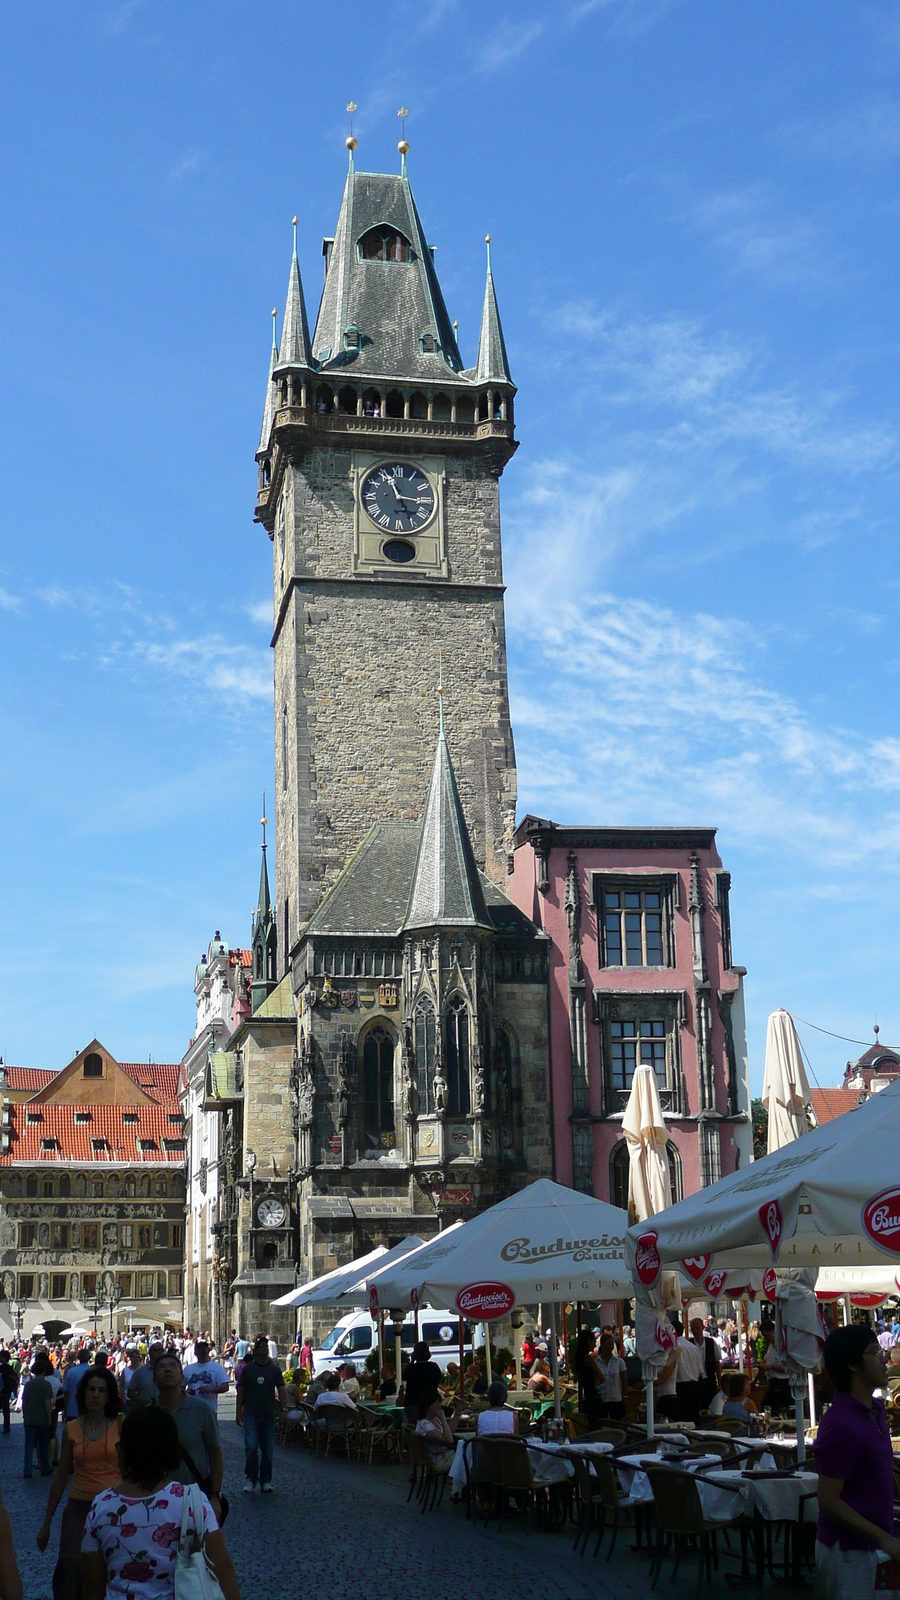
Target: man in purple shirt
point(856, 1467)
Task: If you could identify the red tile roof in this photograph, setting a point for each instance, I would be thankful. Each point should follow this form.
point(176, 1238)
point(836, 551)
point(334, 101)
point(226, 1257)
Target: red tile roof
point(245, 957)
point(159, 1079)
point(29, 1077)
point(73, 1138)
point(830, 1103)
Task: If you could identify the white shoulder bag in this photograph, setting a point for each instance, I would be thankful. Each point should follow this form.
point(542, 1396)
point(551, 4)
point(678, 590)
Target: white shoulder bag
point(194, 1577)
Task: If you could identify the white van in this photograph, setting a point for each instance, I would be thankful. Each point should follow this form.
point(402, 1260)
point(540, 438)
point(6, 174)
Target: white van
point(356, 1335)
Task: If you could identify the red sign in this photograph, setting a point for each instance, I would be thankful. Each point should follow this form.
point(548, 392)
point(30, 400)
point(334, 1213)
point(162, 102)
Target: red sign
point(647, 1263)
point(695, 1266)
point(481, 1302)
point(769, 1283)
point(665, 1336)
point(373, 1301)
point(881, 1220)
point(866, 1302)
point(770, 1217)
point(713, 1284)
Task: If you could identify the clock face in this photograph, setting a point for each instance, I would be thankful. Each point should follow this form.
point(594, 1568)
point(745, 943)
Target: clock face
point(270, 1213)
point(398, 497)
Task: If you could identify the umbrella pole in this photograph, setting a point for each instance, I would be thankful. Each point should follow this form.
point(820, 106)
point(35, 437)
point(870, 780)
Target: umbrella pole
point(621, 1327)
point(797, 1390)
point(398, 1350)
point(746, 1326)
point(554, 1361)
point(565, 1317)
point(518, 1346)
point(381, 1348)
point(648, 1391)
point(811, 1391)
point(487, 1352)
point(462, 1360)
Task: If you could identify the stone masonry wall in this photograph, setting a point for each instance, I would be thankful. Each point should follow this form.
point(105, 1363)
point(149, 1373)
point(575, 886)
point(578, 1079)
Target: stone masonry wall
point(356, 669)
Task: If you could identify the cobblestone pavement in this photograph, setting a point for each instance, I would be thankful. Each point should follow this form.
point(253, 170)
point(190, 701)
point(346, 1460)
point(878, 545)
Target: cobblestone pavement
point(336, 1530)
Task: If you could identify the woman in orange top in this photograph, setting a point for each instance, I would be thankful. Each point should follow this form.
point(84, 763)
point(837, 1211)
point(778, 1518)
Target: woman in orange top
point(90, 1458)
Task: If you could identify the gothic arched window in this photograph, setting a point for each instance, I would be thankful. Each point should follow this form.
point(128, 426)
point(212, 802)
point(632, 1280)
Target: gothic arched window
point(384, 244)
point(424, 1039)
point(65, 1186)
point(456, 1055)
point(31, 1186)
point(619, 1163)
point(378, 1089)
point(508, 1089)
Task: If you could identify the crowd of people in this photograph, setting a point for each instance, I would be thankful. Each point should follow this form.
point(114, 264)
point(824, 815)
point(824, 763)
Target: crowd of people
point(128, 1434)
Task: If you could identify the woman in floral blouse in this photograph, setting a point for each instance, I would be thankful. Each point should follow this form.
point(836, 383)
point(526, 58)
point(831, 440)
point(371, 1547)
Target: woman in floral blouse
point(131, 1535)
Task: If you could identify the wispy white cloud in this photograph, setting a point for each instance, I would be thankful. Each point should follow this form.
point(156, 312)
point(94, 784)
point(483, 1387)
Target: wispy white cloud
point(212, 663)
point(780, 251)
point(260, 611)
point(632, 18)
point(716, 386)
point(869, 132)
point(509, 40)
point(9, 602)
point(627, 709)
point(188, 165)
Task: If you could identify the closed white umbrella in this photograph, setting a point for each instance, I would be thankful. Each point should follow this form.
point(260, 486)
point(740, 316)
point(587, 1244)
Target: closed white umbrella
point(644, 1128)
point(785, 1087)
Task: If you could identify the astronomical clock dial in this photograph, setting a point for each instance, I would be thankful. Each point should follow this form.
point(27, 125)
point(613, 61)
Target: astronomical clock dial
point(270, 1213)
point(398, 497)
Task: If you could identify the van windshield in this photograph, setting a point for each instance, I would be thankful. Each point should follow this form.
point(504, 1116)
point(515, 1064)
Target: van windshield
point(331, 1339)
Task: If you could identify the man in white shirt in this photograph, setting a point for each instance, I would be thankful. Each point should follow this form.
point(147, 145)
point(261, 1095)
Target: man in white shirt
point(690, 1375)
point(204, 1378)
point(332, 1395)
point(349, 1380)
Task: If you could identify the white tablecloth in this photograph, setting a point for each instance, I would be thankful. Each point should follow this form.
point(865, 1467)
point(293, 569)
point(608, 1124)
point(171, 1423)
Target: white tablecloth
point(546, 1462)
point(725, 1494)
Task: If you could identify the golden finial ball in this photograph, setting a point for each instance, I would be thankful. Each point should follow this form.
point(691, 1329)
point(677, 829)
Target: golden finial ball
point(350, 142)
point(403, 147)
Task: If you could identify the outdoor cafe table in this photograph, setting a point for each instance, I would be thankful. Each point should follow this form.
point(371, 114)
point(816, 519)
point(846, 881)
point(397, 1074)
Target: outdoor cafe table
point(394, 1414)
point(547, 1463)
point(726, 1492)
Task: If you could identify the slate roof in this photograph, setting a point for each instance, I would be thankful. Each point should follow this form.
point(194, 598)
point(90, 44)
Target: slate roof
point(34, 1078)
point(294, 346)
point(879, 1055)
point(370, 897)
point(269, 408)
point(446, 889)
point(393, 303)
point(493, 362)
point(73, 1139)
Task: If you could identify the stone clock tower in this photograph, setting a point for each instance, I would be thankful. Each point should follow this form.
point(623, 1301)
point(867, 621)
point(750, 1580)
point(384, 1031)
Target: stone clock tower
point(379, 465)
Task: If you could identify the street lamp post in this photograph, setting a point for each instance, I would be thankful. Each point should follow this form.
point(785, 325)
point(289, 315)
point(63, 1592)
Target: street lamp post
point(21, 1307)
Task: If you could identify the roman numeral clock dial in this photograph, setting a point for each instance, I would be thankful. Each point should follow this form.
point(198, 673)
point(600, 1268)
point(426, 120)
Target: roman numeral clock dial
point(399, 499)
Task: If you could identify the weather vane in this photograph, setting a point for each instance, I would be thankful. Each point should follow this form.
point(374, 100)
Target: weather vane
point(403, 147)
point(351, 141)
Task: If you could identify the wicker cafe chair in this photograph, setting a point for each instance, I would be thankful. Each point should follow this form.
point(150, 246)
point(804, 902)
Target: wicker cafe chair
point(373, 1433)
point(599, 1489)
point(500, 1463)
point(427, 1485)
point(731, 1425)
point(297, 1427)
point(611, 1436)
point(679, 1516)
point(339, 1427)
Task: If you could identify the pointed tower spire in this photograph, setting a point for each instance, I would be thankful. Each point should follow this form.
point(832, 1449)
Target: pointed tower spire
point(269, 408)
point(493, 363)
point(265, 937)
point(446, 889)
point(294, 350)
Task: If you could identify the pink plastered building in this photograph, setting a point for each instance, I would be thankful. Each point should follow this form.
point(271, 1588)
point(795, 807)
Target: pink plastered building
point(641, 969)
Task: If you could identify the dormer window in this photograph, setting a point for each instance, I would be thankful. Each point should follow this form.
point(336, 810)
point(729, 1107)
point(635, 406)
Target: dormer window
point(384, 244)
point(82, 1116)
point(428, 345)
point(352, 338)
point(129, 1116)
point(93, 1066)
point(33, 1117)
point(48, 1145)
point(98, 1147)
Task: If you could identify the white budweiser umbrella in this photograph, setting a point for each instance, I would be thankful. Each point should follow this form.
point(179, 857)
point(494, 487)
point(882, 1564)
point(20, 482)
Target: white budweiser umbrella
point(644, 1128)
point(327, 1289)
point(546, 1243)
point(785, 1087)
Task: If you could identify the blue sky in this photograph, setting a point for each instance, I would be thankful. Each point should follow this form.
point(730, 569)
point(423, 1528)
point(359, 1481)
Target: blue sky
point(695, 214)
